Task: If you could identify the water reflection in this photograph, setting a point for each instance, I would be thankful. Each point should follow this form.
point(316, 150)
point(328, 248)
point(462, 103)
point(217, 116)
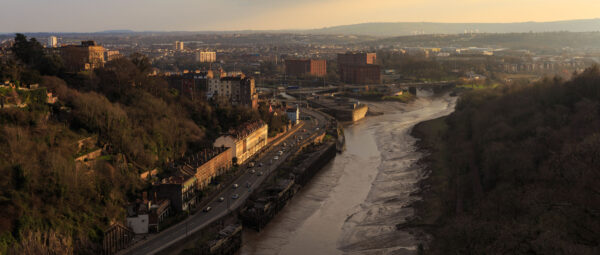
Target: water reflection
point(353, 204)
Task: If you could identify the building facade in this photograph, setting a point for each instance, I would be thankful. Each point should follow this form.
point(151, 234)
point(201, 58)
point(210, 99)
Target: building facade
point(52, 42)
point(293, 114)
point(237, 90)
point(84, 57)
point(248, 96)
point(245, 141)
point(208, 164)
point(180, 189)
point(206, 56)
point(192, 84)
point(311, 67)
point(361, 74)
point(178, 46)
point(359, 68)
point(110, 55)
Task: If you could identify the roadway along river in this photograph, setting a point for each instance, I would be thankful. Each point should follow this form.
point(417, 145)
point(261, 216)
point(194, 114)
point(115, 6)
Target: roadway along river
point(354, 203)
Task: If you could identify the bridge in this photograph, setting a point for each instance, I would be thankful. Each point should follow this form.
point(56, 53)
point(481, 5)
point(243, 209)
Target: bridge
point(411, 87)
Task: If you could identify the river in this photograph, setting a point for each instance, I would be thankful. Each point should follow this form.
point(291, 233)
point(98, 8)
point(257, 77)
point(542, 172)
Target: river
point(353, 204)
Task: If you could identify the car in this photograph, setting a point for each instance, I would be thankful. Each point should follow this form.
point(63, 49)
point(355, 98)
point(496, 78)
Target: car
point(259, 173)
point(251, 164)
point(260, 164)
point(252, 171)
point(280, 153)
point(221, 199)
point(235, 186)
point(235, 196)
point(208, 208)
point(276, 158)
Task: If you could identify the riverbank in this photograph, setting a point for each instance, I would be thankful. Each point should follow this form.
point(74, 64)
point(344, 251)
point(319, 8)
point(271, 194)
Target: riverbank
point(430, 209)
point(513, 171)
point(353, 205)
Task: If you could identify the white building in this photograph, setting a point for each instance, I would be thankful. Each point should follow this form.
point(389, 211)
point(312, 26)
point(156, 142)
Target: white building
point(139, 224)
point(246, 141)
point(220, 90)
point(52, 42)
point(206, 56)
point(293, 114)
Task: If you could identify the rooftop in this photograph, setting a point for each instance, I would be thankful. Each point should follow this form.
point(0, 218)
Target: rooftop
point(246, 129)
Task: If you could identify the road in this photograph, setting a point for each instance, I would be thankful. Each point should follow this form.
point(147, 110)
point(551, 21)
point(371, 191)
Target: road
point(250, 180)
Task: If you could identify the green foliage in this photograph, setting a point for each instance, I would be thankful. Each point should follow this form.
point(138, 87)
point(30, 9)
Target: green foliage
point(31, 53)
point(517, 171)
point(45, 196)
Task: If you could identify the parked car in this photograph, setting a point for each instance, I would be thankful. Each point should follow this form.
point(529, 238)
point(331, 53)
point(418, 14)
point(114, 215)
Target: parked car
point(252, 171)
point(251, 164)
point(235, 196)
point(235, 186)
point(208, 208)
point(280, 153)
point(259, 173)
point(221, 199)
point(276, 158)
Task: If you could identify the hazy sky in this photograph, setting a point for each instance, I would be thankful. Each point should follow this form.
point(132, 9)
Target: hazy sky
point(197, 15)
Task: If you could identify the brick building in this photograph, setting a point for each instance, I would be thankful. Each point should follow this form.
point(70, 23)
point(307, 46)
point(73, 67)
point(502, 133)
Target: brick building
point(87, 56)
point(311, 67)
point(359, 68)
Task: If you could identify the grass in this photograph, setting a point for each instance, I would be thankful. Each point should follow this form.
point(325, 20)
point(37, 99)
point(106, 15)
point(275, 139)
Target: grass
point(478, 86)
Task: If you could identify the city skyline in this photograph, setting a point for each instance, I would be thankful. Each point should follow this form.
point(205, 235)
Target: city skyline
point(187, 15)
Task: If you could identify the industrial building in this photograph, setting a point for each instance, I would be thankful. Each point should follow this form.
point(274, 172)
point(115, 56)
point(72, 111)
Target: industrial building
point(309, 67)
point(359, 68)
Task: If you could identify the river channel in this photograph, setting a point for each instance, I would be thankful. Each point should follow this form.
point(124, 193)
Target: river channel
point(353, 204)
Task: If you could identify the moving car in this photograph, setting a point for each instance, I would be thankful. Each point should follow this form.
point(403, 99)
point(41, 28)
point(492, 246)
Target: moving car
point(235, 196)
point(221, 199)
point(252, 171)
point(235, 186)
point(276, 158)
point(208, 208)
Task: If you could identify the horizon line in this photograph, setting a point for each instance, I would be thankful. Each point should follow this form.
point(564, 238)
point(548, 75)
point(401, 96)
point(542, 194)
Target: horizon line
point(289, 29)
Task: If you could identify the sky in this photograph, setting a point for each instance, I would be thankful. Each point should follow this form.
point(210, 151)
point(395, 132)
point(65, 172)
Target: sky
point(203, 15)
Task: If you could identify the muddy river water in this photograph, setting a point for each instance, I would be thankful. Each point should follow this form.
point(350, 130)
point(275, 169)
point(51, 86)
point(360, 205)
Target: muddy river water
point(353, 204)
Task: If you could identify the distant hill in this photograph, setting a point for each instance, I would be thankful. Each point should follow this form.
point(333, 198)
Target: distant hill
point(410, 28)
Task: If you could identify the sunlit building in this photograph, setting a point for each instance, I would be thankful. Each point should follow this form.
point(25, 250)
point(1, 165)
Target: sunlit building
point(52, 42)
point(84, 57)
point(311, 67)
point(206, 56)
point(359, 68)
